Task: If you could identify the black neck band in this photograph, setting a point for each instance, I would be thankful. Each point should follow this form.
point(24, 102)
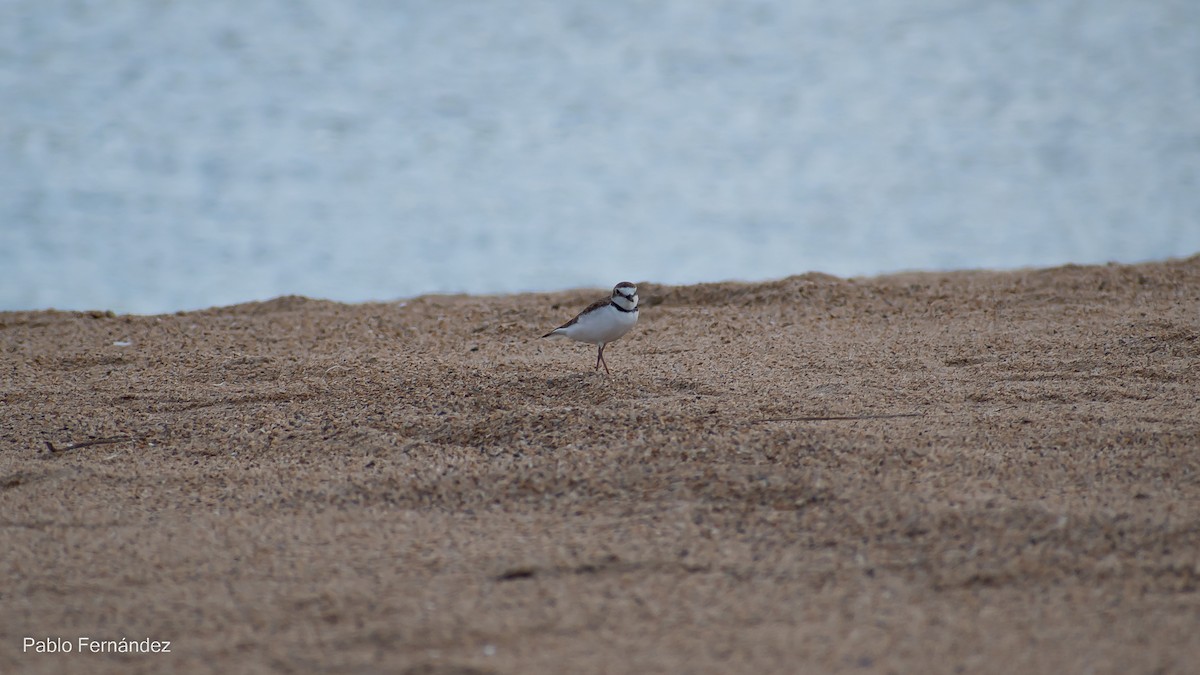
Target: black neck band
point(614, 304)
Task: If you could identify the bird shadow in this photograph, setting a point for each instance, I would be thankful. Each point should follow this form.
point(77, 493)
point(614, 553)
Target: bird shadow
point(581, 380)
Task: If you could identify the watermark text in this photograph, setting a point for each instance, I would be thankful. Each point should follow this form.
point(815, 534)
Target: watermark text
point(90, 645)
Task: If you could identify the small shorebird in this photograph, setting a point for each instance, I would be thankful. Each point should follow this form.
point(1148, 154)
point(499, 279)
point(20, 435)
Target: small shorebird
point(604, 320)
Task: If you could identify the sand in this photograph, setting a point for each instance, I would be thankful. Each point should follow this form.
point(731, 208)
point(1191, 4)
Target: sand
point(927, 472)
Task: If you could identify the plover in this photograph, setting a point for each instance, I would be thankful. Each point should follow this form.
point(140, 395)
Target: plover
point(604, 320)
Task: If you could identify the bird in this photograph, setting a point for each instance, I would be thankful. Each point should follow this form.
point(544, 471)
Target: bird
point(603, 321)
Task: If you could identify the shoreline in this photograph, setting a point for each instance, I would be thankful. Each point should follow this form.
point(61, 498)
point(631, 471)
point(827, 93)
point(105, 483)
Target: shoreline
point(812, 274)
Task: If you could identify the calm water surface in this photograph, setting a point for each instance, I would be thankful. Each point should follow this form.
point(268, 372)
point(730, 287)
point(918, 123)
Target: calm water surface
point(157, 156)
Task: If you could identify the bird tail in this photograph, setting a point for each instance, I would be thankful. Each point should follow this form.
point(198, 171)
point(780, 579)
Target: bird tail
point(551, 333)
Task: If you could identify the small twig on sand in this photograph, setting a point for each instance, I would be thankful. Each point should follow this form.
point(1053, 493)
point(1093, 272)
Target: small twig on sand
point(833, 418)
point(84, 444)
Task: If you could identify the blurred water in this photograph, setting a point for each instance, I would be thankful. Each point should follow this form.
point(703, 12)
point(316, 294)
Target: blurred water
point(157, 156)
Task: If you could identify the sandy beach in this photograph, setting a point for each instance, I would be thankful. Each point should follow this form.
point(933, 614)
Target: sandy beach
point(925, 472)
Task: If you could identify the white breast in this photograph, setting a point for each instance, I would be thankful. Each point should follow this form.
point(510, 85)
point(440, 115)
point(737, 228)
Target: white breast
point(601, 326)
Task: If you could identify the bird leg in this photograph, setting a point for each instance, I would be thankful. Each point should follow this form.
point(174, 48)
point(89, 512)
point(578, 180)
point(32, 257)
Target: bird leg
point(600, 360)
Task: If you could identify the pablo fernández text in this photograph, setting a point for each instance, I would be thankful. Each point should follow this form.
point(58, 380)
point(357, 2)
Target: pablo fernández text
point(88, 645)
